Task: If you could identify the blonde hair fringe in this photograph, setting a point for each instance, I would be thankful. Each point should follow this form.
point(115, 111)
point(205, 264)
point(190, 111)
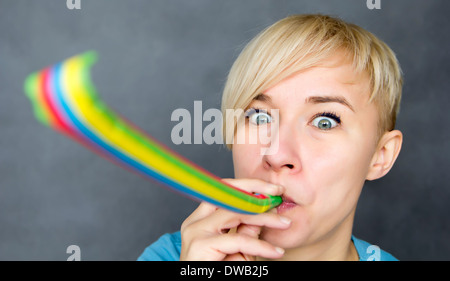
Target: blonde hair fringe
point(299, 42)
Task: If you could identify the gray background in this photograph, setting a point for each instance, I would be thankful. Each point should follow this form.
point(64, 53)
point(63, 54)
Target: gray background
point(157, 56)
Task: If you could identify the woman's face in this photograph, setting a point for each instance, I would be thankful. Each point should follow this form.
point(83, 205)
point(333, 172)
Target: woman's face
point(323, 141)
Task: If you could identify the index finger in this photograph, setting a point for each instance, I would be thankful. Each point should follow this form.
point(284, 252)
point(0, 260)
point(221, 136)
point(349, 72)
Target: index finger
point(256, 186)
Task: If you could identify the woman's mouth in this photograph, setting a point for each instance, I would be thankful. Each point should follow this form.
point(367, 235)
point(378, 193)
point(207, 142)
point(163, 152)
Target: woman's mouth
point(287, 204)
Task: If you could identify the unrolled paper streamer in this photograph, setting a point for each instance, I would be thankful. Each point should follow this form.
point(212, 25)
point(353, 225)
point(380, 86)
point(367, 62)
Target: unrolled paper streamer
point(65, 99)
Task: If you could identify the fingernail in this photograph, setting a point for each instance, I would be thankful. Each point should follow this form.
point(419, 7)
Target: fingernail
point(279, 250)
point(285, 220)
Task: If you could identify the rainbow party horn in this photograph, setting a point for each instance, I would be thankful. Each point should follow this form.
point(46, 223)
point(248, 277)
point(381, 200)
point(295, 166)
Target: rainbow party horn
point(65, 99)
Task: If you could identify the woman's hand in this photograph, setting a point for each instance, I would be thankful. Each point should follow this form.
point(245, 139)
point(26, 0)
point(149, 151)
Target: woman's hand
point(210, 233)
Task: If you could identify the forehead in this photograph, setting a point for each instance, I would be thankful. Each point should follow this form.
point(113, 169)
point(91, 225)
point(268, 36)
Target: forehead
point(335, 78)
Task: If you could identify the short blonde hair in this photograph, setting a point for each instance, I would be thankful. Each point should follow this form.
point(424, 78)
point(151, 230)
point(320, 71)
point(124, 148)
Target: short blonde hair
point(302, 41)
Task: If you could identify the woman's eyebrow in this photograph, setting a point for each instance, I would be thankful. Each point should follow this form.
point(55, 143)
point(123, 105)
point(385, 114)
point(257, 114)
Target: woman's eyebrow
point(313, 99)
point(325, 99)
point(262, 97)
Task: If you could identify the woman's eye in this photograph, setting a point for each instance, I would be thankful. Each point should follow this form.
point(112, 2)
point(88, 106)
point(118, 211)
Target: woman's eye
point(258, 117)
point(324, 123)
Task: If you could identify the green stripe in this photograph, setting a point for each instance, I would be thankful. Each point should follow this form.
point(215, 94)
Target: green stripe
point(31, 86)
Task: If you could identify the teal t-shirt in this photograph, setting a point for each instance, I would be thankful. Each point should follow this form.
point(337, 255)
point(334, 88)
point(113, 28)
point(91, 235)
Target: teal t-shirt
point(168, 247)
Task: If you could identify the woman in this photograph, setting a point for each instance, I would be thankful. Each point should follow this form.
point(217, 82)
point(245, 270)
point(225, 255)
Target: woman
point(327, 94)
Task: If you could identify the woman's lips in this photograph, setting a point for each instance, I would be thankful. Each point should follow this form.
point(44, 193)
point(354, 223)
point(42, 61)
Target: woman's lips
point(287, 204)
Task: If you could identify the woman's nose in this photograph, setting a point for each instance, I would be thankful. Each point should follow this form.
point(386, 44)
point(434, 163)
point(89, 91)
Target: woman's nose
point(283, 152)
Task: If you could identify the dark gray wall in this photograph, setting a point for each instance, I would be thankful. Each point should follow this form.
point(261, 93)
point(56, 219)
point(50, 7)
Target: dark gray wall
point(156, 56)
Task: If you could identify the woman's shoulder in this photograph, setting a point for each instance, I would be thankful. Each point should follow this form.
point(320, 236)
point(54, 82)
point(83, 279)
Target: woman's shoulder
point(369, 252)
point(166, 248)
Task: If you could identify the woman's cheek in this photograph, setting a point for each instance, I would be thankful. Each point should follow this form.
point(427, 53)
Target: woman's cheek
point(329, 173)
point(340, 186)
point(245, 159)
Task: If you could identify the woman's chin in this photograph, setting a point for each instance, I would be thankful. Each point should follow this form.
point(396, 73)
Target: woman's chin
point(294, 236)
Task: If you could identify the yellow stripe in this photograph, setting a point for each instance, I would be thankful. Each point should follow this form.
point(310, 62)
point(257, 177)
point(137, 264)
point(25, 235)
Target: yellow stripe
point(112, 134)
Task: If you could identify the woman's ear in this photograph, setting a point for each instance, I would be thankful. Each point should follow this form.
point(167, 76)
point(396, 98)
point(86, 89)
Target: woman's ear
point(385, 155)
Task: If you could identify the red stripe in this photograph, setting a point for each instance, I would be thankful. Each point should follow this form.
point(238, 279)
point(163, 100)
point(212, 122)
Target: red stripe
point(48, 94)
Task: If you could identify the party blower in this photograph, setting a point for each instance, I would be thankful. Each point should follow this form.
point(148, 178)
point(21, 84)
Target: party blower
point(64, 98)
